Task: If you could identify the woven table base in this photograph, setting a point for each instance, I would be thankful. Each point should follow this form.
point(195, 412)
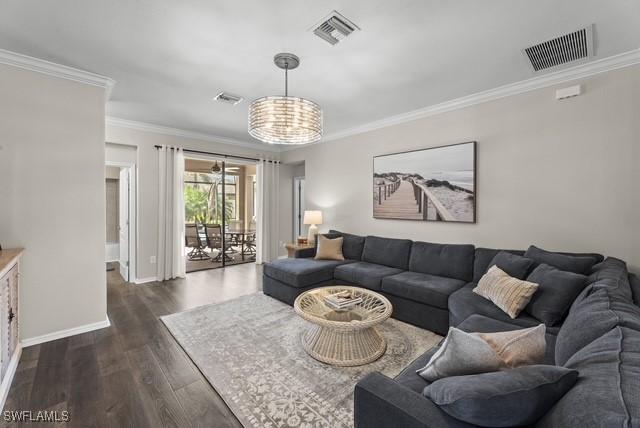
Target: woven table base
point(344, 348)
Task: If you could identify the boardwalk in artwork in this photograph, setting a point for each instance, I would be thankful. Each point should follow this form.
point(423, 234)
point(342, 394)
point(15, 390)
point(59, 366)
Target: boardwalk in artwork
point(401, 204)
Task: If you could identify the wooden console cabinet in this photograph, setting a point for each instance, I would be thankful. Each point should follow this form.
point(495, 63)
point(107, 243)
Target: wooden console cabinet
point(9, 313)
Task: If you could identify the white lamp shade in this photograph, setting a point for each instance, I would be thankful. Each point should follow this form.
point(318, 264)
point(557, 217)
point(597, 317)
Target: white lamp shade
point(312, 217)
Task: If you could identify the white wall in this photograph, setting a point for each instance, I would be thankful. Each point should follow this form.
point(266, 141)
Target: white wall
point(52, 197)
point(560, 174)
point(147, 164)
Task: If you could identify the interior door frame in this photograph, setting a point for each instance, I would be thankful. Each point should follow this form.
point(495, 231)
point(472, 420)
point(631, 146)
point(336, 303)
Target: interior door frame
point(298, 207)
point(133, 215)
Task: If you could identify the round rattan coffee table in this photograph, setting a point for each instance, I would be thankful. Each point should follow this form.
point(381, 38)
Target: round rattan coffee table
point(343, 337)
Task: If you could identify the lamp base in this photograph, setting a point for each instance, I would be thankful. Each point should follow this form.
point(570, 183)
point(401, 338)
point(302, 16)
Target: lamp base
point(311, 236)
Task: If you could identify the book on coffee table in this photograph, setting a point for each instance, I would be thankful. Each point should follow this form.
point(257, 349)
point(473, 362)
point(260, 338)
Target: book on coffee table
point(342, 300)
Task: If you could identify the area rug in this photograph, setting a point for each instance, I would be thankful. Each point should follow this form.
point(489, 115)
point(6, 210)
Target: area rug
point(249, 350)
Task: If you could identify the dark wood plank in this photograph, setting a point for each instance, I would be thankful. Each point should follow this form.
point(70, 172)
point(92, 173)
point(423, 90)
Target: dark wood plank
point(175, 363)
point(49, 386)
point(30, 353)
point(122, 402)
point(158, 398)
point(110, 353)
point(85, 388)
point(204, 407)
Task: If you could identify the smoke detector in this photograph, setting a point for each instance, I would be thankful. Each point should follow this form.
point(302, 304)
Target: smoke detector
point(569, 48)
point(334, 28)
point(228, 98)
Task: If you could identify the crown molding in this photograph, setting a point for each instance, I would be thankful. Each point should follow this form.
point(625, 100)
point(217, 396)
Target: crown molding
point(176, 132)
point(550, 79)
point(57, 70)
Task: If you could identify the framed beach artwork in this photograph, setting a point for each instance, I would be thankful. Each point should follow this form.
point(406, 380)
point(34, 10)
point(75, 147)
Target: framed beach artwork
point(434, 184)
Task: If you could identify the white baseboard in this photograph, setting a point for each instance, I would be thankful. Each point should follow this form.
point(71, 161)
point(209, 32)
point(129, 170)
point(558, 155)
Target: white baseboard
point(145, 280)
point(65, 333)
point(8, 377)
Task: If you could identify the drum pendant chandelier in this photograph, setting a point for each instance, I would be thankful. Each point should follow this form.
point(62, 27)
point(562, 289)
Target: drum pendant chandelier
point(285, 119)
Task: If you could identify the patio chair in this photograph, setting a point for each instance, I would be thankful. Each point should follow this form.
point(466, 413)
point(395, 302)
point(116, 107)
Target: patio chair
point(192, 240)
point(213, 233)
point(250, 244)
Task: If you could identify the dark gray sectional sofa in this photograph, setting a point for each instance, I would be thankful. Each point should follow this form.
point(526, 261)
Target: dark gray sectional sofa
point(430, 285)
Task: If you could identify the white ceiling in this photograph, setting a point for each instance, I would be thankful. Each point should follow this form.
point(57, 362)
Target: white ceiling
point(170, 58)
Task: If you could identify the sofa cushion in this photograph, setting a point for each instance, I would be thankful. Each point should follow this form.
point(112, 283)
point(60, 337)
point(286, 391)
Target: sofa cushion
point(607, 393)
point(421, 287)
point(409, 377)
point(613, 275)
point(634, 282)
point(481, 324)
point(352, 245)
point(514, 397)
point(484, 256)
point(302, 272)
point(450, 260)
point(563, 261)
point(557, 289)
point(368, 275)
point(464, 303)
point(513, 264)
point(595, 312)
point(386, 251)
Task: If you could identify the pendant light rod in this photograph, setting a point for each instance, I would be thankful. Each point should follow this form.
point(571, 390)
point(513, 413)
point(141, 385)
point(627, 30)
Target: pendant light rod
point(286, 81)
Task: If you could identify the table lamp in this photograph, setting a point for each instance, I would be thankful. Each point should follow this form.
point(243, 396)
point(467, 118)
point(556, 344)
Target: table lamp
point(313, 218)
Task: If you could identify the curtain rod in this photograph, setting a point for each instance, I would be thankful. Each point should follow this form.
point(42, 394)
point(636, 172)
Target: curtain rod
point(221, 154)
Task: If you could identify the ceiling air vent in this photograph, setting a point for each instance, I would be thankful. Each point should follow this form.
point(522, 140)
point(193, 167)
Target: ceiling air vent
point(565, 49)
point(226, 97)
point(334, 28)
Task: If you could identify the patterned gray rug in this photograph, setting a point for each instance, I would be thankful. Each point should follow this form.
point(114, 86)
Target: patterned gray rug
point(249, 350)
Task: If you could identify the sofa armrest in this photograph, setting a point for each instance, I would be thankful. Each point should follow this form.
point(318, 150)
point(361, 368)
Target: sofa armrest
point(634, 282)
point(380, 402)
point(304, 253)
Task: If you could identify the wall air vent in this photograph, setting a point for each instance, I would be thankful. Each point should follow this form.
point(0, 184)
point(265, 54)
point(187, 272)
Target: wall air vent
point(334, 28)
point(226, 97)
point(565, 49)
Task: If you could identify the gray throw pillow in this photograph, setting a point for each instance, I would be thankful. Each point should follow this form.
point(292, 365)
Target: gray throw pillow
point(575, 264)
point(506, 398)
point(556, 292)
point(516, 266)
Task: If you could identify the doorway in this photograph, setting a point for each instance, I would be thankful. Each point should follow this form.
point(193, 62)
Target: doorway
point(120, 218)
point(220, 216)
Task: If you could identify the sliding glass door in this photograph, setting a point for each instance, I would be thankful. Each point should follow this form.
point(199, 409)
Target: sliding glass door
point(219, 213)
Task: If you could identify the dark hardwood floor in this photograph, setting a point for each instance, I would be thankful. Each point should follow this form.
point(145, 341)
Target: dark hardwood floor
point(132, 374)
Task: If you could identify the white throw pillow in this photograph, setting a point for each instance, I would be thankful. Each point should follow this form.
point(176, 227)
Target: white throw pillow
point(518, 347)
point(464, 353)
point(461, 354)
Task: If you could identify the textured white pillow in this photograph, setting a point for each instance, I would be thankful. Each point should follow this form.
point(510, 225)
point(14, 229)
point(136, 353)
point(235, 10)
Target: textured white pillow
point(518, 347)
point(508, 293)
point(464, 353)
point(461, 354)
